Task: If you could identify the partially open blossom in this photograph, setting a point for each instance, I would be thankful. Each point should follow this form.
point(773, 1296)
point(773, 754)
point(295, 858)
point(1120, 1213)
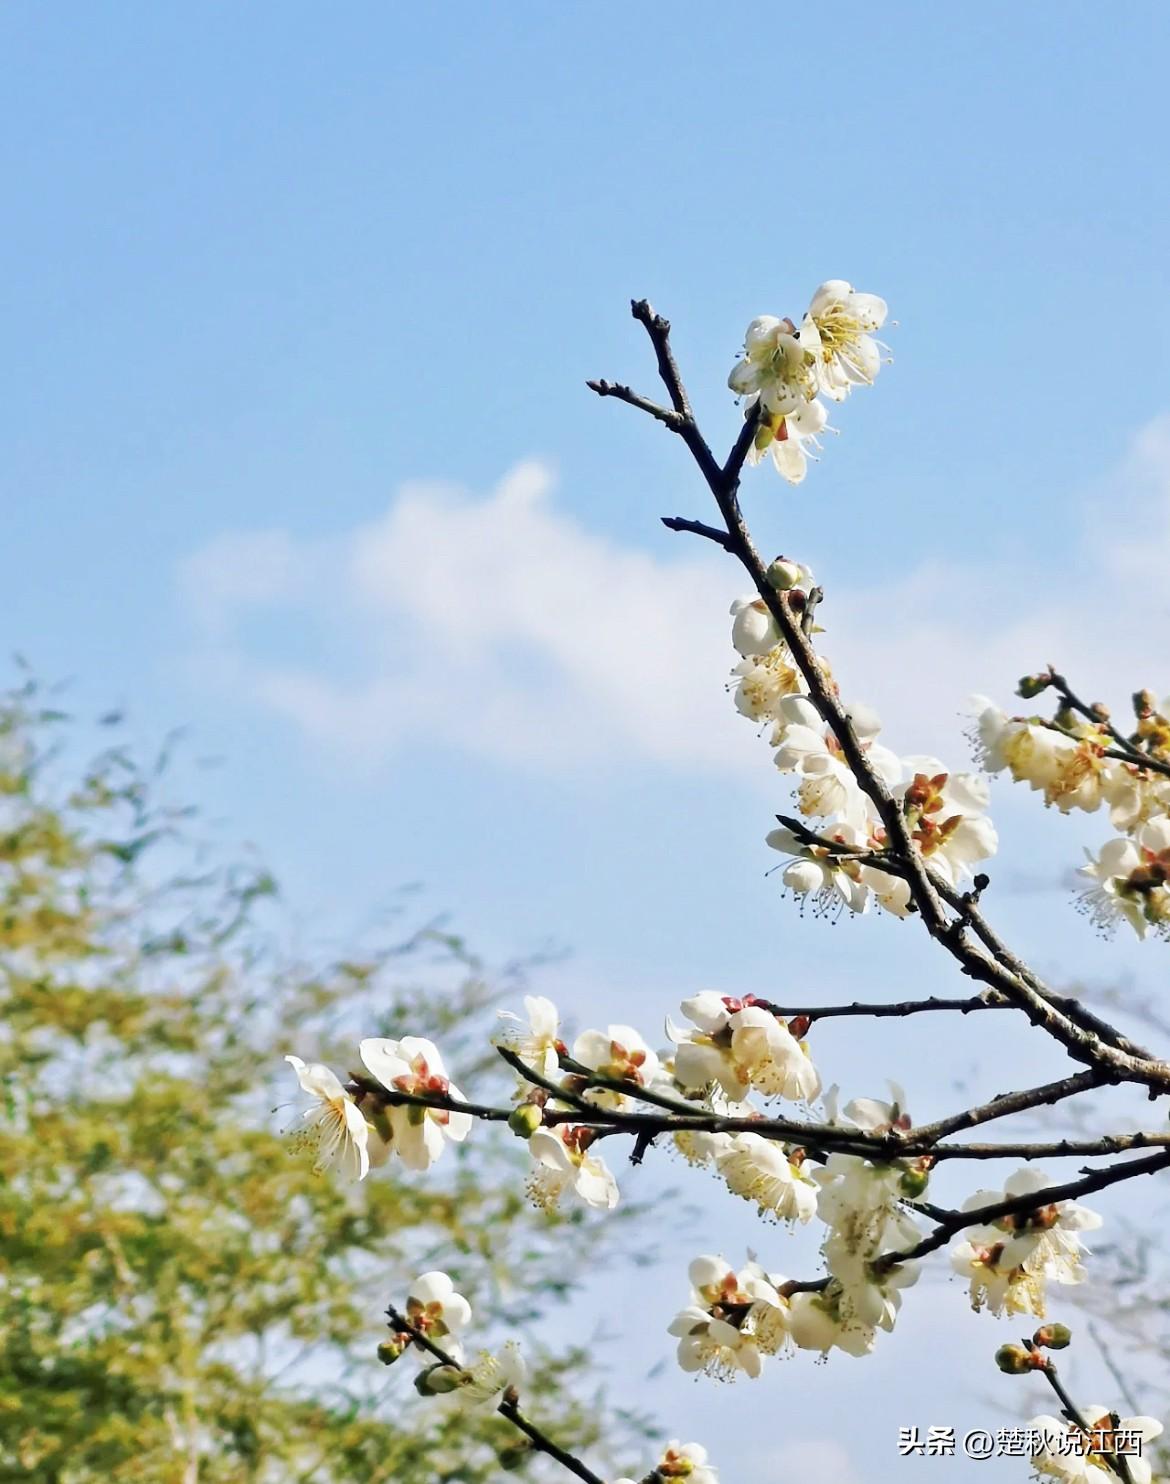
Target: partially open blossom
point(829, 879)
point(334, 1127)
point(413, 1065)
point(753, 631)
point(434, 1307)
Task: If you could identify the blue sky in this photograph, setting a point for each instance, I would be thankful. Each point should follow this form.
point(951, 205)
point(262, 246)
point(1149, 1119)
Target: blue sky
point(289, 291)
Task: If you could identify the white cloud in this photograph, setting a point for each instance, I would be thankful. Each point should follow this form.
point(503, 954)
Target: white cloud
point(504, 627)
point(501, 624)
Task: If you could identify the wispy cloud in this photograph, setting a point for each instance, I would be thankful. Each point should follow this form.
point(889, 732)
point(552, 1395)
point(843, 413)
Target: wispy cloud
point(502, 626)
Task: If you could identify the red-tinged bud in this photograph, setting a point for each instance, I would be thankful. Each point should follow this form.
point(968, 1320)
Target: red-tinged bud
point(1053, 1336)
point(799, 1025)
point(913, 1183)
point(1032, 685)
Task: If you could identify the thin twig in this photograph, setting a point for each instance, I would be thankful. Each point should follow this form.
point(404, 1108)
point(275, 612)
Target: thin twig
point(509, 1406)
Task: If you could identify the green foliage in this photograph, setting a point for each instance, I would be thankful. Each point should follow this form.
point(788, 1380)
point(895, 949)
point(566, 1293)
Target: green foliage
point(181, 1298)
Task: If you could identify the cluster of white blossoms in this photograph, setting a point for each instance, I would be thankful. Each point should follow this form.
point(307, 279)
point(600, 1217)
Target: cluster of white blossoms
point(1011, 1261)
point(1077, 764)
point(725, 1055)
point(1077, 1457)
point(945, 811)
point(357, 1129)
point(786, 370)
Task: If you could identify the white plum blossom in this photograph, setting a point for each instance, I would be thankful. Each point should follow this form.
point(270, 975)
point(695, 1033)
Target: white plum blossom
point(831, 880)
point(764, 680)
point(413, 1065)
point(947, 818)
point(334, 1127)
point(760, 1171)
point(838, 330)
point(436, 1310)
point(1132, 879)
point(1010, 1260)
point(783, 371)
point(732, 1322)
point(562, 1162)
point(776, 1063)
point(687, 1461)
point(844, 1318)
point(738, 1044)
point(536, 1042)
point(775, 367)
point(753, 631)
point(1068, 1454)
point(620, 1054)
point(483, 1385)
point(786, 437)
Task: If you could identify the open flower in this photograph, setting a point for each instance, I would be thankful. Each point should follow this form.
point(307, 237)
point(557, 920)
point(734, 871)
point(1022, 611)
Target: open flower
point(564, 1163)
point(737, 1045)
point(1132, 879)
point(538, 1042)
point(831, 881)
point(733, 1320)
point(620, 1054)
point(1067, 1453)
point(760, 1171)
point(838, 332)
point(1010, 1260)
point(333, 1126)
point(776, 367)
point(786, 437)
point(836, 1319)
point(414, 1066)
point(686, 1461)
point(483, 1385)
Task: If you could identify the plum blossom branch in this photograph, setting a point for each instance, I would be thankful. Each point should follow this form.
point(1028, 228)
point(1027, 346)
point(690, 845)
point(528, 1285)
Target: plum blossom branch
point(992, 967)
point(508, 1407)
point(1021, 1205)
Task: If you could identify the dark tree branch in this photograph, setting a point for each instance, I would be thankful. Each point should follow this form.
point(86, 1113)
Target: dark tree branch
point(697, 528)
point(643, 404)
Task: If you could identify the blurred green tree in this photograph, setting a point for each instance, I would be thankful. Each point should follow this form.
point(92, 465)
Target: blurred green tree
point(181, 1298)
